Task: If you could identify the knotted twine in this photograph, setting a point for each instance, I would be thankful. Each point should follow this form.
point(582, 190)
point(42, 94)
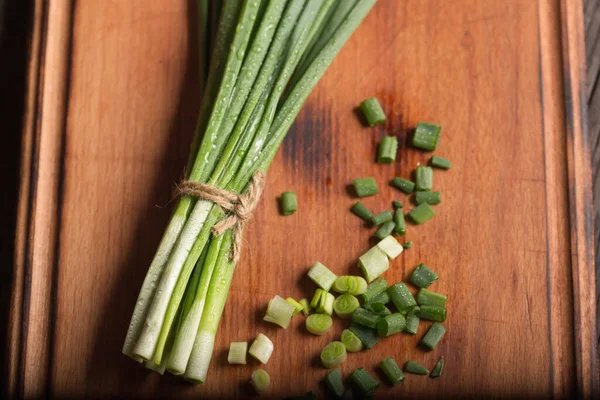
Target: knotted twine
point(239, 208)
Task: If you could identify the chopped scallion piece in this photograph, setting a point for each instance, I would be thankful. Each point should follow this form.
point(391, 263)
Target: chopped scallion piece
point(318, 324)
point(401, 297)
point(298, 307)
point(365, 318)
point(440, 162)
point(388, 147)
point(326, 304)
point(433, 313)
point(361, 211)
point(367, 336)
point(364, 381)
point(403, 184)
point(412, 321)
point(438, 369)
point(414, 368)
point(429, 298)
point(378, 309)
point(365, 187)
point(333, 354)
point(385, 230)
point(260, 380)
point(382, 218)
point(427, 136)
point(289, 203)
point(305, 307)
point(351, 341)
point(355, 285)
point(433, 336)
point(372, 111)
point(421, 213)
point(345, 305)
point(314, 303)
point(382, 298)
point(424, 178)
point(334, 383)
point(237, 353)
point(392, 371)
point(407, 245)
point(431, 198)
point(390, 246)
point(374, 289)
point(399, 223)
point(373, 263)
point(390, 325)
point(279, 312)
point(322, 276)
point(423, 276)
point(396, 204)
point(261, 348)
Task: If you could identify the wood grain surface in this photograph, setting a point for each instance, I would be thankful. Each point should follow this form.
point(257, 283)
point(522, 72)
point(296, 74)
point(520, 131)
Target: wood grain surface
point(116, 96)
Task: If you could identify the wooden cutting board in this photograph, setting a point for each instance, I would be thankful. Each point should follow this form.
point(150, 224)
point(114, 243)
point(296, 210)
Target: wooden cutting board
point(112, 101)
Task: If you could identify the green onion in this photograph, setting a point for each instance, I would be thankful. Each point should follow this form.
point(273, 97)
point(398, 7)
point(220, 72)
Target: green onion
point(322, 276)
point(355, 285)
point(390, 246)
point(390, 325)
point(427, 136)
point(431, 198)
point(385, 230)
point(289, 203)
point(345, 305)
point(365, 318)
point(351, 341)
point(388, 147)
point(378, 309)
point(382, 298)
point(392, 371)
point(367, 336)
point(374, 289)
point(433, 336)
point(407, 245)
point(382, 218)
point(279, 312)
point(440, 162)
point(373, 263)
point(305, 307)
point(433, 313)
point(399, 223)
point(314, 303)
point(428, 298)
point(361, 211)
point(413, 368)
point(412, 321)
point(396, 204)
point(421, 213)
point(261, 348)
point(403, 184)
point(365, 187)
point(423, 276)
point(334, 382)
point(424, 178)
point(237, 353)
point(372, 111)
point(298, 306)
point(438, 369)
point(260, 380)
point(401, 297)
point(326, 304)
point(364, 381)
point(333, 354)
point(318, 324)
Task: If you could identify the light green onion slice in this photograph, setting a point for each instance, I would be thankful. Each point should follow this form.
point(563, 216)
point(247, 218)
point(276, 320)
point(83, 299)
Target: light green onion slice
point(351, 341)
point(237, 353)
point(318, 324)
point(260, 380)
point(326, 303)
point(298, 307)
point(322, 276)
point(261, 348)
point(373, 263)
point(345, 305)
point(279, 312)
point(355, 285)
point(314, 303)
point(305, 307)
point(333, 354)
point(390, 246)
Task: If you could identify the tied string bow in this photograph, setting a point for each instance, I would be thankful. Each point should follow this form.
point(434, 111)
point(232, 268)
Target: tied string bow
point(238, 208)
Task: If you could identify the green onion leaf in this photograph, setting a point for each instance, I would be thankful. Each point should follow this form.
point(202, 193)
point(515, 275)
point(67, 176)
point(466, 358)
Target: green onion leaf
point(351, 341)
point(373, 112)
point(401, 297)
point(423, 276)
point(314, 303)
point(414, 368)
point(374, 289)
point(298, 307)
point(421, 213)
point(326, 304)
point(399, 223)
point(440, 162)
point(390, 325)
point(431, 198)
point(367, 336)
point(403, 184)
point(428, 298)
point(382, 218)
point(427, 136)
point(365, 187)
point(392, 371)
point(334, 383)
point(385, 230)
point(364, 381)
point(289, 203)
point(412, 321)
point(396, 204)
point(433, 313)
point(361, 211)
point(388, 147)
point(365, 318)
point(305, 307)
point(424, 179)
point(433, 336)
point(438, 369)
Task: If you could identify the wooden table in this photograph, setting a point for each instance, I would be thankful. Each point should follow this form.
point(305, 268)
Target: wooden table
point(113, 98)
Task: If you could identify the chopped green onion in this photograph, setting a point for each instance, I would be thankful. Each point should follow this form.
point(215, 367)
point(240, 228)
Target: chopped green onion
point(261, 348)
point(429, 298)
point(305, 307)
point(260, 380)
point(427, 136)
point(400, 224)
point(351, 341)
point(421, 213)
point(279, 312)
point(396, 204)
point(390, 246)
point(373, 263)
point(322, 276)
point(334, 382)
point(237, 353)
point(385, 230)
point(355, 285)
point(289, 203)
point(440, 162)
point(378, 309)
point(382, 218)
point(438, 369)
point(365, 187)
point(333, 354)
point(374, 289)
point(392, 371)
point(361, 211)
point(372, 111)
point(433, 313)
point(414, 368)
point(431, 198)
point(407, 245)
point(365, 318)
point(433, 336)
point(367, 336)
point(403, 184)
point(326, 304)
point(382, 298)
point(423, 276)
point(364, 381)
point(318, 324)
point(401, 297)
point(390, 325)
point(412, 321)
point(298, 307)
point(345, 305)
point(314, 303)
point(424, 179)
point(388, 147)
